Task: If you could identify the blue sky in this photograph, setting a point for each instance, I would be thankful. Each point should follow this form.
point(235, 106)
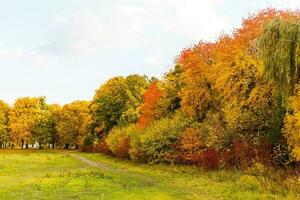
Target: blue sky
point(65, 49)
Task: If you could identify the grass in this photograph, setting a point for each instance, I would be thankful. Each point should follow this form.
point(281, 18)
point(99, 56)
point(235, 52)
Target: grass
point(28, 174)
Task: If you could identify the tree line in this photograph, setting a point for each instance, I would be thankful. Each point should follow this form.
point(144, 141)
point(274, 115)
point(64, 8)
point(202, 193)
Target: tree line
point(229, 103)
point(31, 121)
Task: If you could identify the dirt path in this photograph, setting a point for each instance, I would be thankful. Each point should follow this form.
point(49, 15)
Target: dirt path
point(90, 162)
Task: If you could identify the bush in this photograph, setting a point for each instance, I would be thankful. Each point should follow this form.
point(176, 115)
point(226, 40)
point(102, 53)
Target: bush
point(88, 140)
point(213, 131)
point(188, 149)
point(102, 147)
point(241, 155)
point(210, 159)
point(118, 140)
point(135, 152)
point(157, 139)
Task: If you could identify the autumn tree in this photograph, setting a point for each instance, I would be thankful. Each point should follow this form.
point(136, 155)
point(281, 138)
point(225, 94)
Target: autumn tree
point(70, 124)
point(116, 102)
point(4, 129)
point(198, 95)
point(171, 87)
point(148, 109)
point(43, 130)
point(22, 119)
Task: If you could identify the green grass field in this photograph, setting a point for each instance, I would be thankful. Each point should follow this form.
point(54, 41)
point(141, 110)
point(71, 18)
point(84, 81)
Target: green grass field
point(28, 174)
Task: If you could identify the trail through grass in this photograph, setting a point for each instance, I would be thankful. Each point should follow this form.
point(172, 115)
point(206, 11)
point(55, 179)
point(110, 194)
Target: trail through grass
point(26, 174)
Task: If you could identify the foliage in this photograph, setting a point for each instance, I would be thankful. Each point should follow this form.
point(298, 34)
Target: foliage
point(4, 129)
point(23, 117)
point(116, 102)
point(280, 50)
point(148, 109)
point(292, 124)
point(170, 87)
point(188, 148)
point(157, 139)
point(117, 140)
point(70, 125)
point(211, 159)
point(228, 103)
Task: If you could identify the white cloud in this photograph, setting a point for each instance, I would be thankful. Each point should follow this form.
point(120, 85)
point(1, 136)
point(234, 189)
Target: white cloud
point(193, 20)
point(19, 54)
point(131, 26)
point(128, 26)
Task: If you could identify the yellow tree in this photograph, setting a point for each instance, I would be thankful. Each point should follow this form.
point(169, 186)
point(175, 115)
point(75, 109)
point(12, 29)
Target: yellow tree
point(4, 134)
point(292, 124)
point(22, 118)
point(71, 122)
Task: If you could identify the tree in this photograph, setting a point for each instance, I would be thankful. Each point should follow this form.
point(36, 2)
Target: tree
point(4, 129)
point(70, 124)
point(116, 102)
point(43, 130)
point(171, 87)
point(280, 51)
point(198, 95)
point(22, 119)
point(292, 124)
point(149, 110)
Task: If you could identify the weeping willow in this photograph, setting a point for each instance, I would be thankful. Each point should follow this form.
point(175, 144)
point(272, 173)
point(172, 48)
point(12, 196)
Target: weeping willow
point(279, 47)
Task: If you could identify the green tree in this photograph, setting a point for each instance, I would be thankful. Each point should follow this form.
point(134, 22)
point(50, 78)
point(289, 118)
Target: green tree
point(280, 51)
point(43, 130)
point(116, 102)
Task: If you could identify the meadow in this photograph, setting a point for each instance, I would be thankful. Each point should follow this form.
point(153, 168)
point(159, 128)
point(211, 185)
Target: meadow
point(45, 174)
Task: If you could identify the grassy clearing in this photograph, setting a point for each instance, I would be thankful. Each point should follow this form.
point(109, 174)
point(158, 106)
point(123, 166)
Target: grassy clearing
point(57, 175)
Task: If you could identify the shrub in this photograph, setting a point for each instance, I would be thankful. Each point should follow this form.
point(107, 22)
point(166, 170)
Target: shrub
point(101, 147)
point(264, 153)
point(188, 149)
point(210, 159)
point(123, 148)
point(157, 139)
point(118, 140)
point(213, 131)
point(241, 155)
point(135, 152)
point(281, 155)
point(88, 140)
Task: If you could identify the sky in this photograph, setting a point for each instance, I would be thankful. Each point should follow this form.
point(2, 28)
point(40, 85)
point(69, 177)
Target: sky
point(65, 49)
